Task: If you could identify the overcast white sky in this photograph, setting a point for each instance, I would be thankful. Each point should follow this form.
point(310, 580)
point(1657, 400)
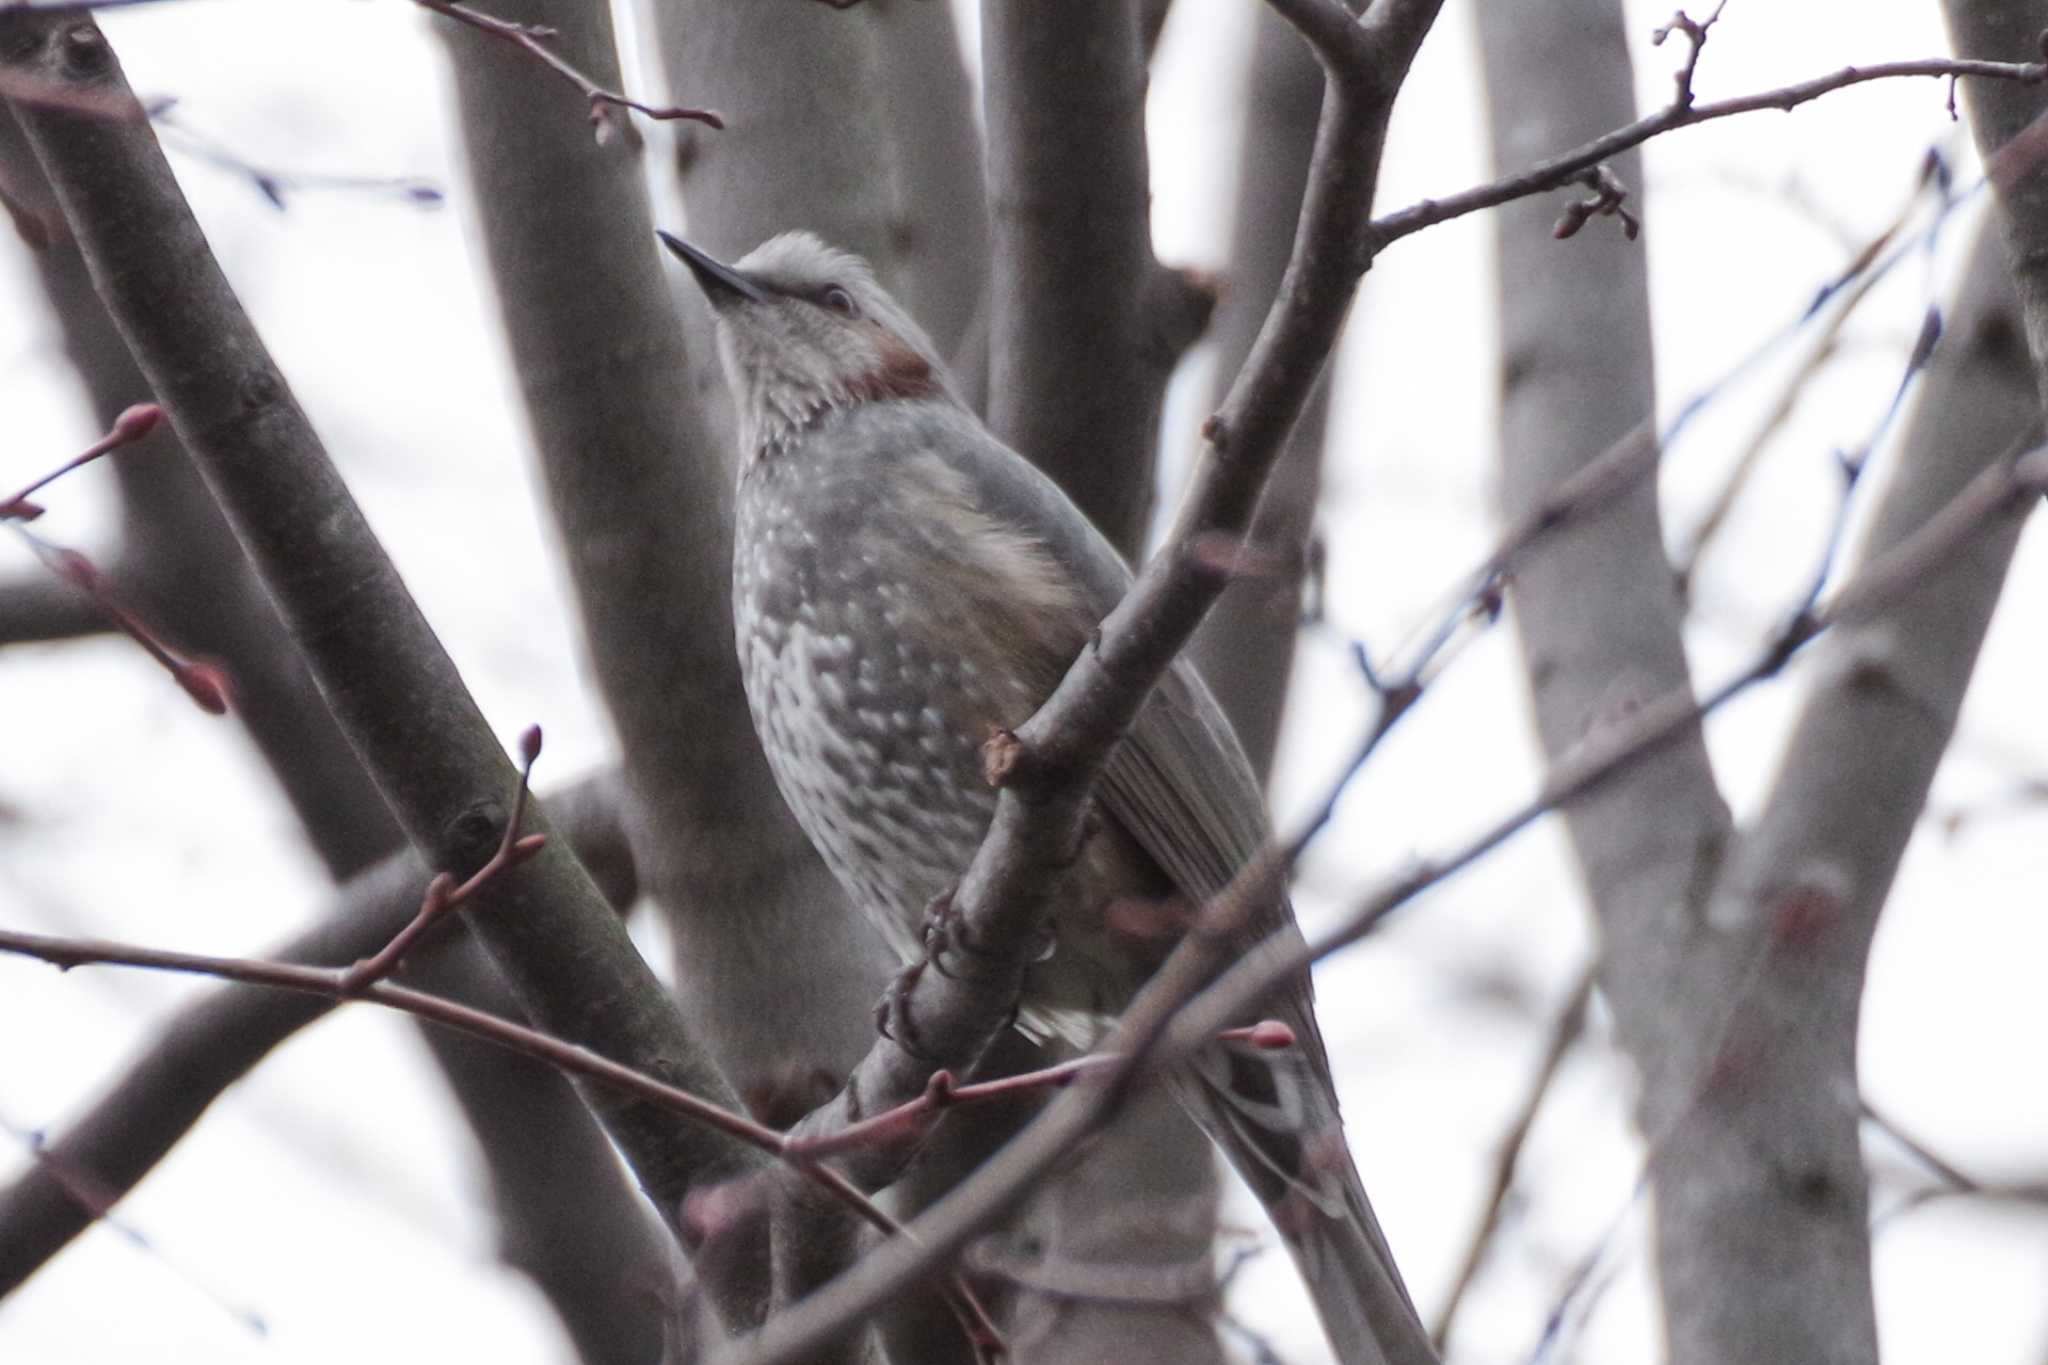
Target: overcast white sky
point(125, 812)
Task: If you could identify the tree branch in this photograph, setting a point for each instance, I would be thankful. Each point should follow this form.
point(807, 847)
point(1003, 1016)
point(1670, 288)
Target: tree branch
point(1749, 1263)
point(1071, 379)
point(637, 483)
point(43, 609)
point(531, 39)
point(1564, 1033)
point(1569, 167)
point(1054, 756)
point(1245, 649)
point(213, 1044)
point(1186, 1002)
point(2005, 121)
point(388, 681)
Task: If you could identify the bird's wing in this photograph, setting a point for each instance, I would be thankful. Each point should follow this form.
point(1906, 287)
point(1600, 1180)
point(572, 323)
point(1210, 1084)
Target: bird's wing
point(1182, 786)
point(1179, 784)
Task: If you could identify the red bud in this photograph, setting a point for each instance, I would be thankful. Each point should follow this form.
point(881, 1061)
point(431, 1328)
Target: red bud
point(137, 422)
point(1267, 1034)
point(206, 684)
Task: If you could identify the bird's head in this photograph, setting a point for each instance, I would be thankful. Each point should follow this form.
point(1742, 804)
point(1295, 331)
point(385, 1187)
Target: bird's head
point(803, 330)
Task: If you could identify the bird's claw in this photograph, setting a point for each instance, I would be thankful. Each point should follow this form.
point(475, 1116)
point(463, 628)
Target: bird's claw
point(953, 953)
point(892, 1012)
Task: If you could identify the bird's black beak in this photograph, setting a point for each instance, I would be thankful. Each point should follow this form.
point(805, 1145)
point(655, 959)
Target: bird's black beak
point(721, 284)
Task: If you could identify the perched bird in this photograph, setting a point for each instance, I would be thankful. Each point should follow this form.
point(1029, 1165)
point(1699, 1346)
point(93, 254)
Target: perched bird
point(903, 585)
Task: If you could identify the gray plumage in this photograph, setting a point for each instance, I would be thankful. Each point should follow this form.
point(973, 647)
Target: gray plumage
point(903, 585)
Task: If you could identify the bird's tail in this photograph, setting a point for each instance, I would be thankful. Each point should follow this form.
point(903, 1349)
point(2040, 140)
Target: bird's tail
point(1274, 1113)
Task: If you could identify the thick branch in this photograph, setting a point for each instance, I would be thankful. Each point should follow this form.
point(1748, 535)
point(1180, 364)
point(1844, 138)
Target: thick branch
point(388, 681)
point(637, 484)
point(1762, 1199)
point(178, 565)
point(926, 103)
point(1052, 761)
point(568, 1221)
point(1596, 606)
point(2005, 120)
point(1072, 383)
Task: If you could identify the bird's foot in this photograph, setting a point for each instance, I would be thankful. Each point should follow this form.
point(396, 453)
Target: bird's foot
point(892, 1012)
point(951, 950)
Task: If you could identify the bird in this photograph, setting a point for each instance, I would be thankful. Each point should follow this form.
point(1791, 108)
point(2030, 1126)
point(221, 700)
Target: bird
point(905, 585)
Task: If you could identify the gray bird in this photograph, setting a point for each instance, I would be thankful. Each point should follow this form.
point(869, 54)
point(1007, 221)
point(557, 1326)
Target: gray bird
point(903, 585)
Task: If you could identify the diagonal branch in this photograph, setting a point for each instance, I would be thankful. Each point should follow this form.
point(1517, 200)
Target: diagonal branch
point(166, 1090)
point(1047, 768)
point(385, 676)
point(1187, 1001)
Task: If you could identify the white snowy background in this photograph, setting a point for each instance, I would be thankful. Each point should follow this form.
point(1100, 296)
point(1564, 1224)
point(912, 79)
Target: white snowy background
point(333, 1198)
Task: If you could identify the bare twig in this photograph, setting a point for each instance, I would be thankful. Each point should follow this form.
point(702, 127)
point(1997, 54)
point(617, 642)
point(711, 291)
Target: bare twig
point(343, 984)
point(1920, 1151)
point(132, 425)
point(1564, 1033)
point(206, 683)
point(1569, 167)
point(913, 1118)
point(1694, 31)
point(337, 984)
point(532, 38)
point(273, 183)
point(443, 895)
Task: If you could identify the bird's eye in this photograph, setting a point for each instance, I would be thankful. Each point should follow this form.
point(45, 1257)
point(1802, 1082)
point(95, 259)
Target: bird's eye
point(838, 300)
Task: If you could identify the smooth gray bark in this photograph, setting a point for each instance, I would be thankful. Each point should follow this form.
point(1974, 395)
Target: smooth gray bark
point(1075, 380)
point(1763, 1202)
point(43, 610)
point(1734, 963)
point(926, 104)
point(2000, 112)
point(638, 485)
point(390, 685)
point(179, 565)
point(856, 123)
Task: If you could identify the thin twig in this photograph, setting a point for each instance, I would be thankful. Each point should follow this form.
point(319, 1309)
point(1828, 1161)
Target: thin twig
point(443, 895)
point(1564, 1033)
point(532, 38)
point(366, 980)
point(272, 183)
point(1920, 1151)
point(205, 682)
point(913, 1118)
point(334, 984)
point(133, 424)
point(1568, 167)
